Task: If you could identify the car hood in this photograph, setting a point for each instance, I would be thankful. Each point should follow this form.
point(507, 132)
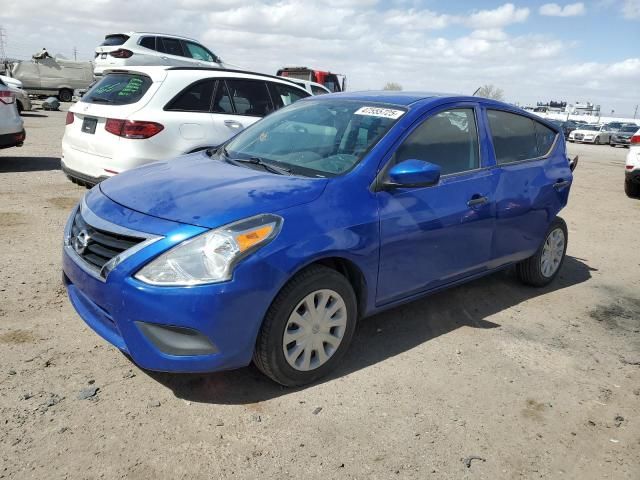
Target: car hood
point(586, 132)
point(207, 192)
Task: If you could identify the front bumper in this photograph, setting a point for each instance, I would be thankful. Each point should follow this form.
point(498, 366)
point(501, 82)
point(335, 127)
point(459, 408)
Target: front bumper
point(227, 316)
point(12, 139)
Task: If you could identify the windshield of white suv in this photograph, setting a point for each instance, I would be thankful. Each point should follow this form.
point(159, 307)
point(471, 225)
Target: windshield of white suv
point(321, 139)
point(118, 89)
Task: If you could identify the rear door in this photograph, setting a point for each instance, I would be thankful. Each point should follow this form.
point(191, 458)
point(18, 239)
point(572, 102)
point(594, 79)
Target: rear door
point(533, 183)
point(190, 117)
point(238, 103)
point(172, 52)
point(431, 236)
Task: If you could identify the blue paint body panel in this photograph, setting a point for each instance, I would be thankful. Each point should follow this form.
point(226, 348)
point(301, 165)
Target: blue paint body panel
point(406, 242)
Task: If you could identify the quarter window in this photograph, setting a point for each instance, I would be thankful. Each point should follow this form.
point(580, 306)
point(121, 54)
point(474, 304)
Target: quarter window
point(148, 42)
point(317, 90)
point(250, 97)
point(195, 98)
point(544, 139)
point(448, 139)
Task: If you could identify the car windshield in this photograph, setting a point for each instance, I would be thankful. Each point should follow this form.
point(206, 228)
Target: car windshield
point(630, 129)
point(316, 138)
point(590, 127)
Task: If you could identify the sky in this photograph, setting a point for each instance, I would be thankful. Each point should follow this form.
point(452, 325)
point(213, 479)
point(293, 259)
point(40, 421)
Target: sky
point(534, 50)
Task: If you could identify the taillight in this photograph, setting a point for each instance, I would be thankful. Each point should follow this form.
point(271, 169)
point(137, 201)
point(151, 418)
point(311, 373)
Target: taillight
point(635, 140)
point(6, 97)
point(132, 129)
point(70, 118)
point(121, 53)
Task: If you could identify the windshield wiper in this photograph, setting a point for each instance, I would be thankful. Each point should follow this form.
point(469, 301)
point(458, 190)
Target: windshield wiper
point(258, 161)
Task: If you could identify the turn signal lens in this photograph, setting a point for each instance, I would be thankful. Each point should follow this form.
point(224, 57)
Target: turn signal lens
point(248, 239)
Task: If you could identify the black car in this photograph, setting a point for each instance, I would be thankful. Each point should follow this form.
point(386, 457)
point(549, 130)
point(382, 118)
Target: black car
point(623, 136)
point(566, 126)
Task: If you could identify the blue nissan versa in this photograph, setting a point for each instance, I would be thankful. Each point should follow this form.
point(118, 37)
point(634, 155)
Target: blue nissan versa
point(273, 245)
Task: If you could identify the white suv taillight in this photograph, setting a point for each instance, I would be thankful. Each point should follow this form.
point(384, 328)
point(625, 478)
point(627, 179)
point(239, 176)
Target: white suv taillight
point(6, 97)
point(132, 129)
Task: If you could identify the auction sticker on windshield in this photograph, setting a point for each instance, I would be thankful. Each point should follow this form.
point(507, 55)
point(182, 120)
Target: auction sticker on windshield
point(379, 112)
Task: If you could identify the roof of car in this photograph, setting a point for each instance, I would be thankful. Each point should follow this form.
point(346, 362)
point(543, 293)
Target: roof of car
point(409, 98)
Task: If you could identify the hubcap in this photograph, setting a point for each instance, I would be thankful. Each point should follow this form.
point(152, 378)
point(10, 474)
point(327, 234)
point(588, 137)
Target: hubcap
point(552, 253)
point(314, 330)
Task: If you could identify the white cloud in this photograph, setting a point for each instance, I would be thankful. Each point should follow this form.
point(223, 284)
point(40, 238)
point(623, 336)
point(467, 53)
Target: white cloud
point(499, 17)
point(570, 10)
point(631, 9)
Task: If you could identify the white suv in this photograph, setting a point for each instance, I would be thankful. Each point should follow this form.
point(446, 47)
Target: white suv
point(136, 49)
point(11, 125)
point(144, 114)
point(632, 167)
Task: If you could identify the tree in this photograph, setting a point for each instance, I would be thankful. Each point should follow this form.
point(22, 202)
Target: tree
point(490, 91)
point(393, 86)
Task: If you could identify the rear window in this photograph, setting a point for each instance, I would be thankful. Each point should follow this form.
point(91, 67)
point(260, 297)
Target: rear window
point(118, 89)
point(114, 40)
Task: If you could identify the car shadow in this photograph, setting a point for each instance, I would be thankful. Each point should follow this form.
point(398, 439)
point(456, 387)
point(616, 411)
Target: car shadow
point(33, 115)
point(384, 335)
point(28, 164)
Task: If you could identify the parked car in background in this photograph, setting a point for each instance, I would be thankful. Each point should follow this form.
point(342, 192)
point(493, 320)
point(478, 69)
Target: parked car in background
point(312, 87)
point(613, 126)
point(53, 76)
point(335, 82)
point(632, 167)
point(566, 126)
point(23, 102)
point(274, 245)
point(144, 114)
point(596, 134)
point(11, 125)
point(623, 136)
point(120, 50)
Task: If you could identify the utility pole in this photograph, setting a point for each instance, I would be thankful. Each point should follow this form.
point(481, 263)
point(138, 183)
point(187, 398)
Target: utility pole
point(635, 112)
point(3, 53)
point(75, 53)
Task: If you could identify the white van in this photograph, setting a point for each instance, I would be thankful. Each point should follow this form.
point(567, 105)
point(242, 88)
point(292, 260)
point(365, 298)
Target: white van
point(53, 76)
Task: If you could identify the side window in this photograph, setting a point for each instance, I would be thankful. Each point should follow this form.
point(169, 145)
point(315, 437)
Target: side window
point(222, 100)
point(198, 52)
point(148, 42)
point(170, 46)
point(250, 97)
point(195, 98)
point(448, 139)
point(285, 95)
point(317, 90)
point(544, 139)
point(514, 136)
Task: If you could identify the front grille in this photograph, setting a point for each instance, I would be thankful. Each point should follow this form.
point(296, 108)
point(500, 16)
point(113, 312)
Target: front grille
point(97, 247)
point(579, 136)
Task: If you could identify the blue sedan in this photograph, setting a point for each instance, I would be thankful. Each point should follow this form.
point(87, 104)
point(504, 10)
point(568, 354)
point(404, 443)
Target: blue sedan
point(272, 246)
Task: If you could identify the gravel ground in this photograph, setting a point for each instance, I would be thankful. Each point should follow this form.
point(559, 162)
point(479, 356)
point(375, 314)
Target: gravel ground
point(538, 383)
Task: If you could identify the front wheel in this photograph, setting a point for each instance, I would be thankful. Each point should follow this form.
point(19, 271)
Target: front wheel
point(597, 141)
point(540, 269)
point(308, 327)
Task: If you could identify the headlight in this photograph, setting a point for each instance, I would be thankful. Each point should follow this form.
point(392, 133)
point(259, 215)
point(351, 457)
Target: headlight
point(211, 256)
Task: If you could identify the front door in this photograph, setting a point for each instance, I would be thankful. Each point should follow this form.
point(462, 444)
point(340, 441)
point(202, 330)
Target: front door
point(431, 236)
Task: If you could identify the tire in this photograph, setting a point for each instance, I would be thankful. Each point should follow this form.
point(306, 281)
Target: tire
point(531, 271)
point(632, 189)
point(597, 141)
point(65, 95)
point(269, 355)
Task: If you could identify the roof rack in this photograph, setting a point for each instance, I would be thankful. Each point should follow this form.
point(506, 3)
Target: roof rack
point(231, 70)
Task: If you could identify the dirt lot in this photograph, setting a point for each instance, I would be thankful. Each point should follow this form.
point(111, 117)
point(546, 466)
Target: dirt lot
point(538, 383)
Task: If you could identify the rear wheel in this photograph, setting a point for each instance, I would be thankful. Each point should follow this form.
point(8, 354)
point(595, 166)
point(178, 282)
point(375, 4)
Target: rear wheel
point(632, 189)
point(65, 95)
point(308, 327)
point(540, 269)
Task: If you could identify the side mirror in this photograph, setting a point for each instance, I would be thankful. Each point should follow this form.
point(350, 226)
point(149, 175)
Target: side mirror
point(413, 173)
point(573, 163)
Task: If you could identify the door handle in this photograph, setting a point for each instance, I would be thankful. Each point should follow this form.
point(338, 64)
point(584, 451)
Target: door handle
point(232, 124)
point(477, 200)
point(560, 184)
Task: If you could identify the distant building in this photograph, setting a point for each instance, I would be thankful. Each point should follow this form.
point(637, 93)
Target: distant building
point(585, 108)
